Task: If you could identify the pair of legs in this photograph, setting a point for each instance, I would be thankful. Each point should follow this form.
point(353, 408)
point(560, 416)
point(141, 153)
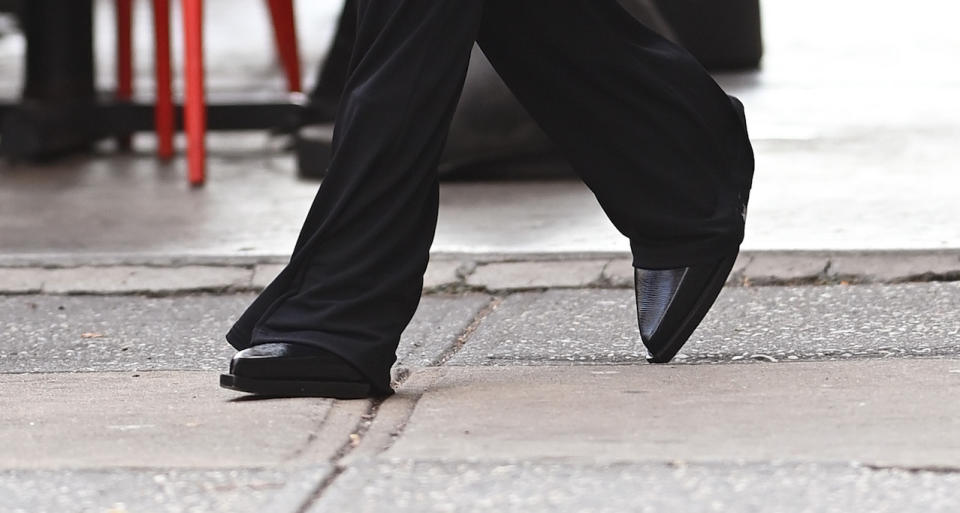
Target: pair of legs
point(663, 148)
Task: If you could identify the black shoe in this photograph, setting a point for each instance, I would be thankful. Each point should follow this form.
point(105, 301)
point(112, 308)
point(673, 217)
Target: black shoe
point(672, 302)
point(283, 369)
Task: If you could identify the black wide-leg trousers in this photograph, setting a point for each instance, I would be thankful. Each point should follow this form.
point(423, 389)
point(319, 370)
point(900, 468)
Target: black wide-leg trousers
point(663, 148)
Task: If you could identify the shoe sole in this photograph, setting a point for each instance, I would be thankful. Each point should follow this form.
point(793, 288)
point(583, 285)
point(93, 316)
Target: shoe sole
point(699, 311)
point(280, 388)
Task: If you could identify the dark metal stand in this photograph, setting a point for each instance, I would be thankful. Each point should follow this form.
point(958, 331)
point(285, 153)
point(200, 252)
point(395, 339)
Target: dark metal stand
point(60, 113)
point(56, 114)
point(723, 35)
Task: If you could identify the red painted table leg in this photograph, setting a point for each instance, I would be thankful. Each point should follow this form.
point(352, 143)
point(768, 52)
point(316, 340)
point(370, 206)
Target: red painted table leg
point(285, 33)
point(163, 116)
point(194, 104)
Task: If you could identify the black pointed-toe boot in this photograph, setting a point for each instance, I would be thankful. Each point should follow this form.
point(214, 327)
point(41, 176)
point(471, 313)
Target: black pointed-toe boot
point(672, 302)
point(282, 369)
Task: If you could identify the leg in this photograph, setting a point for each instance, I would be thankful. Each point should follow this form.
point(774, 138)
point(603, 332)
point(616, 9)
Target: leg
point(356, 274)
point(663, 148)
point(658, 142)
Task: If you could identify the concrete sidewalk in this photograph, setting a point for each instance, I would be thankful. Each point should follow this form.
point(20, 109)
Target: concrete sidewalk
point(793, 399)
point(464, 272)
point(132, 209)
point(855, 182)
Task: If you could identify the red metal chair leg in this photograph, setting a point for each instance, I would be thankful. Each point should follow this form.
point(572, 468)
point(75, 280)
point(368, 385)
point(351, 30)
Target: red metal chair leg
point(285, 33)
point(163, 114)
point(194, 109)
point(124, 12)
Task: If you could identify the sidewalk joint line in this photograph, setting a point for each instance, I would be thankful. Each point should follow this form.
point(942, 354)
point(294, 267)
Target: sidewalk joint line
point(931, 469)
point(467, 332)
point(368, 419)
point(312, 437)
point(354, 441)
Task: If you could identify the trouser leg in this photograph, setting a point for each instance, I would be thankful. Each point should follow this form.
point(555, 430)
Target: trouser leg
point(356, 274)
point(659, 143)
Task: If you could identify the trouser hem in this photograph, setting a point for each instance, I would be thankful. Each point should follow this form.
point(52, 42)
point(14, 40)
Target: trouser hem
point(683, 256)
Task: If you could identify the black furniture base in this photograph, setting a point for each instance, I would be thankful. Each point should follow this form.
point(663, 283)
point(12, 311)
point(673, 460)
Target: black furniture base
point(40, 130)
point(60, 111)
point(313, 146)
point(724, 35)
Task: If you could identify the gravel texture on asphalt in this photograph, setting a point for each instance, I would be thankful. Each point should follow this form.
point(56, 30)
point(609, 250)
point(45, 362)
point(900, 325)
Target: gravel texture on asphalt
point(531, 487)
point(759, 323)
point(156, 490)
point(94, 333)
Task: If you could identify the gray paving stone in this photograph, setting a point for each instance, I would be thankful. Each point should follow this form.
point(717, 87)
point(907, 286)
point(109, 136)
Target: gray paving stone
point(93, 333)
point(20, 281)
point(263, 274)
point(557, 326)
point(442, 273)
point(766, 323)
point(132, 279)
point(436, 327)
point(157, 490)
point(529, 275)
point(619, 273)
point(899, 412)
point(155, 420)
point(549, 487)
point(87, 333)
point(784, 268)
point(743, 260)
point(892, 267)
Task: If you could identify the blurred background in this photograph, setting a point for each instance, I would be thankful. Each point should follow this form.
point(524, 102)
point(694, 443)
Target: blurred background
point(852, 110)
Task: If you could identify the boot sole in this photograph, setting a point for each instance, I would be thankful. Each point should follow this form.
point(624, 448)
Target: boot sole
point(296, 388)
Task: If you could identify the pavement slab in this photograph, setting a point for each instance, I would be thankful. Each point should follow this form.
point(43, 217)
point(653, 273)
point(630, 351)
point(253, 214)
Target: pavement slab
point(156, 280)
point(156, 420)
point(116, 333)
point(440, 273)
point(766, 323)
point(436, 328)
point(548, 487)
point(882, 268)
point(157, 490)
point(783, 268)
point(502, 273)
point(530, 275)
point(897, 413)
point(44, 333)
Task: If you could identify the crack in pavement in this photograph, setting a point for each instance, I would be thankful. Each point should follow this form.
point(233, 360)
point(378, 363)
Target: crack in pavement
point(353, 441)
point(923, 469)
point(340, 461)
point(467, 332)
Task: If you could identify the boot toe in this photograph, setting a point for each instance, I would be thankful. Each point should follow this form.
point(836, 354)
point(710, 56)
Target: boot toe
point(672, 302)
